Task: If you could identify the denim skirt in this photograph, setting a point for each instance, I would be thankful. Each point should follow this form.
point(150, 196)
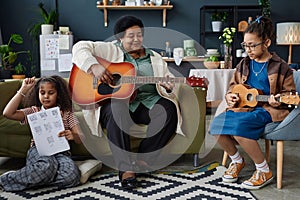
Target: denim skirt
point(245, 124)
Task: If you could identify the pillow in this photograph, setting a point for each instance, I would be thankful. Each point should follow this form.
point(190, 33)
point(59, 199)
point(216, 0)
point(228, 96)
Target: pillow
point(88, 168)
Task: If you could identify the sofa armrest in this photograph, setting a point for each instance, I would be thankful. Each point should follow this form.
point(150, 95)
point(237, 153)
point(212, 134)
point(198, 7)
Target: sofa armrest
point(7, 90)
point(192, 101)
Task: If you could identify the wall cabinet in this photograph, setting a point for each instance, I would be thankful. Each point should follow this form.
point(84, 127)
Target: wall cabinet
point(210, 39)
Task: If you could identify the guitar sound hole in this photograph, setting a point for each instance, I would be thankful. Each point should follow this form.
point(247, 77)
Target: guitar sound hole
point(249, 97)
point(105, 89)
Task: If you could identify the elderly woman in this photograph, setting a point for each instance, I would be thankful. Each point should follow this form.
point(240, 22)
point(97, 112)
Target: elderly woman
point(153, 105)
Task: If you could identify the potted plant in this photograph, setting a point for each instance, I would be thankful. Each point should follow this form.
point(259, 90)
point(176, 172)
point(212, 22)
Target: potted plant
point(227, 37)
point(9, 55)
point(217, 19)
point(49, 20)
point(212, 62)
point(19, 72)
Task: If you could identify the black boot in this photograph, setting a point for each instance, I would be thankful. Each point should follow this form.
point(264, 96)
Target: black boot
point(128, 183)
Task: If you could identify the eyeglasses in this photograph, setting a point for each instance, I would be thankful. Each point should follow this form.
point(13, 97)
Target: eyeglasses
point(251, 47)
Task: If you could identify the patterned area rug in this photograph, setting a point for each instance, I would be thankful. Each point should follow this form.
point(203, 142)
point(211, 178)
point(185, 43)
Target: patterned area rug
point(202, 183)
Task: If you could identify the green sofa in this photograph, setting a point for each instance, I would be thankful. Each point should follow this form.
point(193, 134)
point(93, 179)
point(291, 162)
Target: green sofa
point(15, 138)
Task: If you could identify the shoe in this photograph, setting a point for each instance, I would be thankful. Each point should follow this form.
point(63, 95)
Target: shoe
point(232, 173)
point(127, 183)
point(258, 180)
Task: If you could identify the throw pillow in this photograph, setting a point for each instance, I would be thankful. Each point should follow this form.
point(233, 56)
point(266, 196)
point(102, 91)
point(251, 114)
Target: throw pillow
point(88, 168)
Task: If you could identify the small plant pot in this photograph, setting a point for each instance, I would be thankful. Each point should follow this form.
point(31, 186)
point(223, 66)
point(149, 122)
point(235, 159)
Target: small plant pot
point(46, 29)
point(216, 26)
point(18, 76)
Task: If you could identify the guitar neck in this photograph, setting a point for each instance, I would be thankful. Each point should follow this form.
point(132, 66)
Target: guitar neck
point(151, 79)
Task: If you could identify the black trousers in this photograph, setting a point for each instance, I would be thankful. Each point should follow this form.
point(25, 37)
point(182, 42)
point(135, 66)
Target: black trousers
point(117, 119)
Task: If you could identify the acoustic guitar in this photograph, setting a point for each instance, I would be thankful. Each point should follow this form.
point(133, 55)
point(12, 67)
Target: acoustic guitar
point(88, 90)
point(251, 96)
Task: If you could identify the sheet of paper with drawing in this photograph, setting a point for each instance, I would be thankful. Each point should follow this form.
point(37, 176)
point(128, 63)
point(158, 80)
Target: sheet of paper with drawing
point(45, 126)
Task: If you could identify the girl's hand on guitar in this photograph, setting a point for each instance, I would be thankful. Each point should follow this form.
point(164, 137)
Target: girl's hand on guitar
point(231, 99)
point(272, 100)
point(101, 73)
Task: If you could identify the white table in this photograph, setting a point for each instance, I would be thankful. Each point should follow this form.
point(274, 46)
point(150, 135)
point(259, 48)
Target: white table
point(218, 81)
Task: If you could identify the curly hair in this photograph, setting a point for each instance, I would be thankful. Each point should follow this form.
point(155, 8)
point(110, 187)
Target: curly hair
point(63, 93)
point(125, 22)
point(263, 27)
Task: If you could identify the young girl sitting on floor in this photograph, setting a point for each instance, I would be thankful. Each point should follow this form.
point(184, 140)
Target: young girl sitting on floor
point(58, 170)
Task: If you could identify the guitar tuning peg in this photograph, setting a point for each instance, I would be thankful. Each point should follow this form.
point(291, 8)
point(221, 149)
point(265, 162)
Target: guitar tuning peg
point(289, 106)
point(296, 106)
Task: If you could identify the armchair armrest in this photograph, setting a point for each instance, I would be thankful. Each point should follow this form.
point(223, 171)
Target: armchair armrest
point(285, 130)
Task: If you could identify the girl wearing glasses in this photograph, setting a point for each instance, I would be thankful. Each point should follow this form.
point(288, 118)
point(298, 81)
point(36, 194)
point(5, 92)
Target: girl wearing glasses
point(268, 73)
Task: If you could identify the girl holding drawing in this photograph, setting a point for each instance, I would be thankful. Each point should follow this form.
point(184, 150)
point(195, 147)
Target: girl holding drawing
point(57, 170)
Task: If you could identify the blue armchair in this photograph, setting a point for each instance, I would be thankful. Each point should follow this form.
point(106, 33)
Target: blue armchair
point(287, 130)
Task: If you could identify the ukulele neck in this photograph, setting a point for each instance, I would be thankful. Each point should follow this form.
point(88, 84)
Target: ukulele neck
point(262, 98)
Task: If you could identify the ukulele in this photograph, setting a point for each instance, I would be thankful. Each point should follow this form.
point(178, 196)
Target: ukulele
point(88, 90)
point(251, 96)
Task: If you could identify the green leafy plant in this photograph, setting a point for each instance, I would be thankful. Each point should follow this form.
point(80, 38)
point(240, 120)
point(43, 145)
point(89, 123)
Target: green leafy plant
point(8, 54)
point(49, 17)
point(265, 7)
point(219, 16)
point(227, 36)
point(20, 69)
point(211, 59)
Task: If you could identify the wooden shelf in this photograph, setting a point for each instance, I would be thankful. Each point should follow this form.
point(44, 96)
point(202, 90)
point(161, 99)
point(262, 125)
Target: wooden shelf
point(186, 59)
point(164, 9)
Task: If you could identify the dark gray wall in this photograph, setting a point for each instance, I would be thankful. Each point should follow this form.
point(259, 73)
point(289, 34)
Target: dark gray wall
point(86, 21)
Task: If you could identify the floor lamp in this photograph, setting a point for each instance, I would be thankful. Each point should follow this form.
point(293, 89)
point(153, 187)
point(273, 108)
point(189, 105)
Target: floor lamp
point(288, 33)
